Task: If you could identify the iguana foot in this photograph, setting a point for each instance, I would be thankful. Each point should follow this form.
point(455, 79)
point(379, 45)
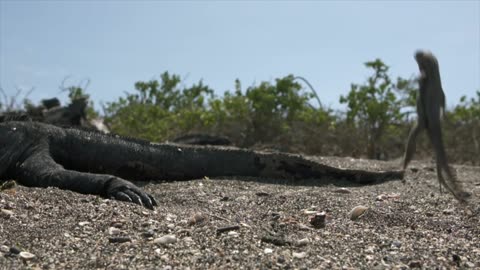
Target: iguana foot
point(123, 190)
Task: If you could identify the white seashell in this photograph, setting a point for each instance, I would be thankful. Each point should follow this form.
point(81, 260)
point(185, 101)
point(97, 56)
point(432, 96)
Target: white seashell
point(357, 212)
point(26, 255)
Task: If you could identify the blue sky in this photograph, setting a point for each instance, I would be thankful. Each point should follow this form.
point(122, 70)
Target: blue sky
point(116, 43)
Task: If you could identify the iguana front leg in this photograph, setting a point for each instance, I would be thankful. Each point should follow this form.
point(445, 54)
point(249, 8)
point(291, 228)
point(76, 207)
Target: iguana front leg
point(40, 170)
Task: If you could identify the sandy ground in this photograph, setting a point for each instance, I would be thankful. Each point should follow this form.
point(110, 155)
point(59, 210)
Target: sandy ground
point(242, 224)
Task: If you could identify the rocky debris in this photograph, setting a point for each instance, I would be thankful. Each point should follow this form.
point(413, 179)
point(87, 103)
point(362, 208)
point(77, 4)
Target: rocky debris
point(273, 231)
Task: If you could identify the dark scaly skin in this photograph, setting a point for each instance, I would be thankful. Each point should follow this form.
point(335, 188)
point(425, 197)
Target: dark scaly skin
point(43, 155)
point(430, 107)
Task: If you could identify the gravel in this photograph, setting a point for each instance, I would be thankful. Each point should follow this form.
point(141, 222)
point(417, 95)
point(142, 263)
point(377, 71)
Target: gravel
point(244, 224)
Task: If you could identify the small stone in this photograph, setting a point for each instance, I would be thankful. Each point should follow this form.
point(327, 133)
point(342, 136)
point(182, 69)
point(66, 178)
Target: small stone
point(303, 242)
point(449, 211)
point(299, 255)
point(117, 224)
point(165, 240)
point(303, 227)
point(119, 239)
point(9, 206)
point(370, 250)
point(456, 258)
point(357, 212)
point(170, 217)
point(171, 226)
point(268, 251)
point(396, 244)
point(149, 233)
point(232, 233)
point(318, 220)
point(26, 255)
point(83, 223)
point(4, 249)
point(114, 231)
point(415, 264)
point(14, 250)
point(188, 239)
point(6, 213)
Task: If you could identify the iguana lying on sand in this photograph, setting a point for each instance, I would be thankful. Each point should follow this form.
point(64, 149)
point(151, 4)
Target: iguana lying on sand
point(43, 155)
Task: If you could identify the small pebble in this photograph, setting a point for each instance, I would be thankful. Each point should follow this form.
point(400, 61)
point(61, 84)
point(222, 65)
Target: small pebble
point(303, 242)
point(165, 240)
point(14, 250)
point(232, 233)
point(469, 264)
point(4, 249)
point(149, 233)
point(415, 264)
point(318, 220)
point(299, 255)
point(119, 239)
point(449, 211)
point(396, 244)
point(114, 231)
point(83, 223)
point(6, 213)
point(268, 251)
point(188, 239)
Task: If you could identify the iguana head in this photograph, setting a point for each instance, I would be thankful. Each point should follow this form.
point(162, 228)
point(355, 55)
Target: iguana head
point(427, 62)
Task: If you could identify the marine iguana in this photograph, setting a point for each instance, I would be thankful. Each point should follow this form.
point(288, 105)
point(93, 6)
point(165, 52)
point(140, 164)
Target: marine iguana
point(42, 155)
